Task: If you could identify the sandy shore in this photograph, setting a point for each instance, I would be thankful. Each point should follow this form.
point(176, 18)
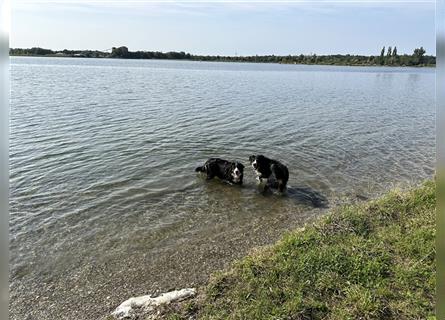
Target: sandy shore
point(95, 291)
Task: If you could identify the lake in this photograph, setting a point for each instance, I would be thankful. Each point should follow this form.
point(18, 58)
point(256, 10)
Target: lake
point(104, 200)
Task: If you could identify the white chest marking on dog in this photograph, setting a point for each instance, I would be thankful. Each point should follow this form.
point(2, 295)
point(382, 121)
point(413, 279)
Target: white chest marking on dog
point(254, 169)
point(236, 174)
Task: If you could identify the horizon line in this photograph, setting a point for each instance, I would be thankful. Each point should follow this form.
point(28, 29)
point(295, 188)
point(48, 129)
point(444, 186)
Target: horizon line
point(227, 55)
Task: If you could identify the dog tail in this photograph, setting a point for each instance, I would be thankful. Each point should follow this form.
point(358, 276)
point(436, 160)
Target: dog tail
point(200, 169)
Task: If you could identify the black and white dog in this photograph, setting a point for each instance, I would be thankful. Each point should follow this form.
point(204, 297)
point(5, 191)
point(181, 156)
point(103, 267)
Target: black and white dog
point(274, 171)
point(225, 170)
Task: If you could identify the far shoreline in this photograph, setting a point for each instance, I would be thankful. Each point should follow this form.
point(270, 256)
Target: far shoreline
point(227, 61)
point(389, 57)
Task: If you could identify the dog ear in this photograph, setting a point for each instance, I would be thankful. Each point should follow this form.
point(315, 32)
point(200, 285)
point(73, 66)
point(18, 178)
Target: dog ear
point(241, 165)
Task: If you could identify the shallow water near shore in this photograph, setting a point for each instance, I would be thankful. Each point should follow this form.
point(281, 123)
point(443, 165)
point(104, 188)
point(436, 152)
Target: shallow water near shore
point(104, 200)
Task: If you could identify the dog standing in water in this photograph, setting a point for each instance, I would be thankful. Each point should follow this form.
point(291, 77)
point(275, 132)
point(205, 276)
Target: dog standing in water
point(274, 171)
point(230, 171)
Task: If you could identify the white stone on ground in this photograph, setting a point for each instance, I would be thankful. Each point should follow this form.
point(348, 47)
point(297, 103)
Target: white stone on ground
point(147, 302)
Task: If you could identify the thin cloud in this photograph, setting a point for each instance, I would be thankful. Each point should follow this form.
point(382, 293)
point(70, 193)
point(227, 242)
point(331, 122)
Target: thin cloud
point(202, 7)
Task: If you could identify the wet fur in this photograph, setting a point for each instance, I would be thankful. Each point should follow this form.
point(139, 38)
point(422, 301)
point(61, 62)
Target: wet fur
point(273, 171)
point(223, 169)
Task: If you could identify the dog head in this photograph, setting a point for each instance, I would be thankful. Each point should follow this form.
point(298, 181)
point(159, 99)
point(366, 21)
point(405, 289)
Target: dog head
point(237, 172)
point(257, 162)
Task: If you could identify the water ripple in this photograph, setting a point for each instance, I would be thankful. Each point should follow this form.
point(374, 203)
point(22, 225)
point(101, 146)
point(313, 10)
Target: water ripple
point(102, 152)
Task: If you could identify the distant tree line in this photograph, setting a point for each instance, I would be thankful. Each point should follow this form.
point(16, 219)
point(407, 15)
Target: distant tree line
point(388, 57)
point(417, 58)
point(62, 53)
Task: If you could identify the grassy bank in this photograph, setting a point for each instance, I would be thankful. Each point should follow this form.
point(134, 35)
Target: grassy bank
point(374, 260)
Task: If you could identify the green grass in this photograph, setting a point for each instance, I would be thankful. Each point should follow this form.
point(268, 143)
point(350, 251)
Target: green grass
point(374, 260)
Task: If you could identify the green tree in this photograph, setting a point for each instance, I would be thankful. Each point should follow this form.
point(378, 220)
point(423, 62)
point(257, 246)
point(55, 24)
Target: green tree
point(389, 59)
point(395, 58)
point(419, 52)
point(121, 52)
point(382, 56)
point(418, 55)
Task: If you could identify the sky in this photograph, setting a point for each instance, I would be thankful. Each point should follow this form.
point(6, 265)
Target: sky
point(234, 27)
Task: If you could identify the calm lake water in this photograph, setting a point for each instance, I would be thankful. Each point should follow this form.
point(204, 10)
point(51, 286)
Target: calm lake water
point(104, 200)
